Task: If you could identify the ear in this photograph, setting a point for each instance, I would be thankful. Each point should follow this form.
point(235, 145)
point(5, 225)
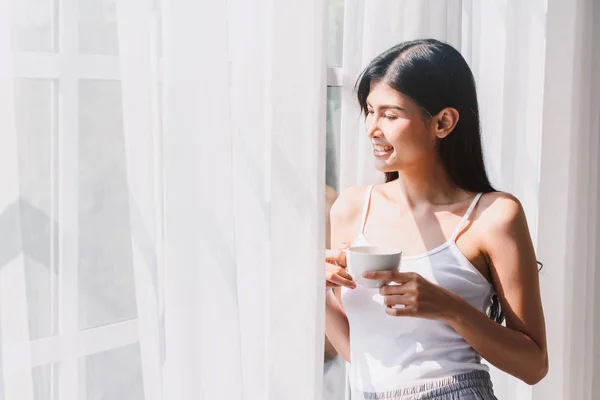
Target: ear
point(445, 122)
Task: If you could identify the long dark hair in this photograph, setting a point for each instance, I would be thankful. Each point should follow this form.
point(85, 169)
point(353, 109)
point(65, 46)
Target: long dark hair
point(435, 76)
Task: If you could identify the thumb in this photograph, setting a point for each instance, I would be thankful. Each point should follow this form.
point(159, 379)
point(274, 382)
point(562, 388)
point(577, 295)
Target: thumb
point(332, 255)
point(341, 259)
point(337, 255)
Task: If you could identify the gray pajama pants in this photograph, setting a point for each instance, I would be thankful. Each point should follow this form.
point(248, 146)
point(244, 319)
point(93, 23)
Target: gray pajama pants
point(475, 385)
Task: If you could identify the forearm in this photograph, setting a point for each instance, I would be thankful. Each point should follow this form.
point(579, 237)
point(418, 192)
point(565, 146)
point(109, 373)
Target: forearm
point(509, 350)
point(336, 326)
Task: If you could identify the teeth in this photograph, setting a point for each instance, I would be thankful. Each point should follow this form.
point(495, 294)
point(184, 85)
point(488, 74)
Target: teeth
point(382, 148)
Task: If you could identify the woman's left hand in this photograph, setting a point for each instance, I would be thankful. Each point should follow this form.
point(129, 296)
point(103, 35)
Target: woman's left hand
point(418, 296)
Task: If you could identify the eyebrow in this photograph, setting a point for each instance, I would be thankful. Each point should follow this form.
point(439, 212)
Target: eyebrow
point(387, 107)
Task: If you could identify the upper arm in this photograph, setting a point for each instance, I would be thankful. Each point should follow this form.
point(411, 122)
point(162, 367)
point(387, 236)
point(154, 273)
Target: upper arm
point(345, 216)
point(513, 266)
point(330, 196)
point(345, 220)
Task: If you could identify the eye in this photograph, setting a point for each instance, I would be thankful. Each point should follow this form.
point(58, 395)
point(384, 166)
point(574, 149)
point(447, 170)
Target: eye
point(390, 117)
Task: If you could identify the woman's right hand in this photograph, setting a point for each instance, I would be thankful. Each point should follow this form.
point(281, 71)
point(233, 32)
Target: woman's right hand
point(335, 269)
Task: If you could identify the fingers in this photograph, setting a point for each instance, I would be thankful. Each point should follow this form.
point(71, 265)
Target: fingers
point(399, 305)
point(338, 276)
point(332, 256)
point(403, 289)
point(397, 299)
point(341, 260)
point(340, 281)
point(344, 274)
point(391, 276)
point(400, 312)
point(337, 256)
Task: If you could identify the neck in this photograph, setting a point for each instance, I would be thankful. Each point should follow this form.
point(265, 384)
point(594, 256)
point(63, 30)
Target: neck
point(428, 184)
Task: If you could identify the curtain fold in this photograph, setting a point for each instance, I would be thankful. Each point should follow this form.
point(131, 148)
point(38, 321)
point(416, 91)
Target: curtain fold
point(14, 328)
point(139, 68)
point(568, 225)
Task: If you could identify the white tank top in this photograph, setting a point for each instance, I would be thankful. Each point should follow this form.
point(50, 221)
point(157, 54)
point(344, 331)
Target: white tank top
point(387, 352)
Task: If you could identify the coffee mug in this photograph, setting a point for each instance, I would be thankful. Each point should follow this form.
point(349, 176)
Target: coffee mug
point(370, 258)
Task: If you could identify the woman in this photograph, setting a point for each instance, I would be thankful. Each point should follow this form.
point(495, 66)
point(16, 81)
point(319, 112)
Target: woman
point(466, 247)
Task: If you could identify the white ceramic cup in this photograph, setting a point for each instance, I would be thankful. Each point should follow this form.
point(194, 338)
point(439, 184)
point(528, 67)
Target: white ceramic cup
point(370, 258)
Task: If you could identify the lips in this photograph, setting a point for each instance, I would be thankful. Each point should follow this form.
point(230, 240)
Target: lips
point(380, 150)
point(380, 147)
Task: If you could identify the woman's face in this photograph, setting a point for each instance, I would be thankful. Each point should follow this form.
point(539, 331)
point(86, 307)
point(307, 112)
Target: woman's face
point(398, 129)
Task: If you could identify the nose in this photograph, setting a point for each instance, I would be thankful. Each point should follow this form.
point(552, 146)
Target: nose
point(373, 130)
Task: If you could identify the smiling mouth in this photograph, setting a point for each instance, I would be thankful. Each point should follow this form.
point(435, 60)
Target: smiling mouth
point(382, 148)
point(381, 151)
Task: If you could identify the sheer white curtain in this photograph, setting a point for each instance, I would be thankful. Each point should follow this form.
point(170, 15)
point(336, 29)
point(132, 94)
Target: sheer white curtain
point(161, 199)
point(244, 198)
point(536, 66)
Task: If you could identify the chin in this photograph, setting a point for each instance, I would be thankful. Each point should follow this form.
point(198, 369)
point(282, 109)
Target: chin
point(385, 167)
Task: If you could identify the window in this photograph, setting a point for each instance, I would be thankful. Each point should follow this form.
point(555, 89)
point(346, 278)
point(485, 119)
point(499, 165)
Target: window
point(79, 295)
point(334, 90)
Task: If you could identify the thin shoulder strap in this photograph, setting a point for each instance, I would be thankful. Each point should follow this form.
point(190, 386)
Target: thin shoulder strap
point(465, 218)
point(366, 208)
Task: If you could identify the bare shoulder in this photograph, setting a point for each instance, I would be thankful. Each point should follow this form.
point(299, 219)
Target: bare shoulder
point(500, 208)
point(330, 196)
point(349, 202)
point(506, 242)
point(501, 213)
point(345, 213)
